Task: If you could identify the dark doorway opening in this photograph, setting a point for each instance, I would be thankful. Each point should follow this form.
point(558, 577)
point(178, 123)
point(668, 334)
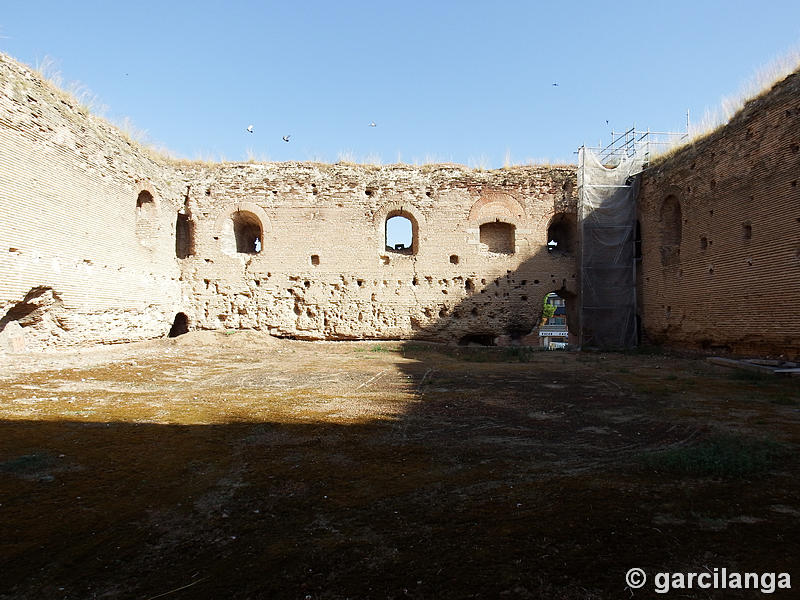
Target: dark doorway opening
point(180, 325)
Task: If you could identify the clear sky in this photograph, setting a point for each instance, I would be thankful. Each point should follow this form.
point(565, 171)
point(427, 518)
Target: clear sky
point(466, 82)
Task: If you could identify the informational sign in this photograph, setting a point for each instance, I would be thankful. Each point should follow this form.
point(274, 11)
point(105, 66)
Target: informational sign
point(553, 334)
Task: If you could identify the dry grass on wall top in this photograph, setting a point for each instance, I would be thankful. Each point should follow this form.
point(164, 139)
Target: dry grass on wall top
point(755, 87)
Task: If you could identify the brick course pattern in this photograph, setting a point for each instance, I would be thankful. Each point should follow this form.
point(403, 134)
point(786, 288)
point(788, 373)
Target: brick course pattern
point(720, 228)
point(102, 241)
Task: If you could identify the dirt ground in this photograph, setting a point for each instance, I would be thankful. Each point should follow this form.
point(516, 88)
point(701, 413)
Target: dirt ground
point(241, 466)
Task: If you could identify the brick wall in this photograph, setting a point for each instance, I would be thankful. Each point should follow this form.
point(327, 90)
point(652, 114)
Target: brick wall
point(324, 270)
point(720, 226)
point(79, 263)
point(100, 241)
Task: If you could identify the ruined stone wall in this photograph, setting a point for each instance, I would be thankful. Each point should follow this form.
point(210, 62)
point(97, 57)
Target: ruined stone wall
point(79, 261)
point(324, 270)
point(720, 228)
point(101, 241)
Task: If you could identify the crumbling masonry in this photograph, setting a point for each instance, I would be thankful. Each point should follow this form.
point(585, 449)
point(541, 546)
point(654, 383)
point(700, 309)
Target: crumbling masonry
point(103, 242)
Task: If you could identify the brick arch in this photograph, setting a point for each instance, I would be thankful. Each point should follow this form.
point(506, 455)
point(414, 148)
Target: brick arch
point(395, 209)
point(497, 206)
point(266, 224)
point(225, 227)
point(147, 213)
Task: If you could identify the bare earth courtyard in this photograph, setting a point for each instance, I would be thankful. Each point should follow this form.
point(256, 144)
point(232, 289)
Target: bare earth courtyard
point(240, 466)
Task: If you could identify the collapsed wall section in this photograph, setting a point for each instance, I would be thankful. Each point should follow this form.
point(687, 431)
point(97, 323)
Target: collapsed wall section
point(720, 235)
point(301, 250)
point(86, 223)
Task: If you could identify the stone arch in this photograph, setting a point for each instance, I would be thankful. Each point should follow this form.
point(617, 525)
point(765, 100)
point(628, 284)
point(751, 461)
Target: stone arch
point(398, 209)
point(239, 226)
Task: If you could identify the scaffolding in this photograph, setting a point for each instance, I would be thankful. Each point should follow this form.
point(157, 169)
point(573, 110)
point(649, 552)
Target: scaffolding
point(608, 183)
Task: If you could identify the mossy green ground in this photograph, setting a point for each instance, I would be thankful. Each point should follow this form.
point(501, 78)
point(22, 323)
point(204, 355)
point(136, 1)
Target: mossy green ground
point(241, 466)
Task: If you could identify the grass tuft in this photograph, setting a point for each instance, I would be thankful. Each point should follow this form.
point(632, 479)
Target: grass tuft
point(722, 455)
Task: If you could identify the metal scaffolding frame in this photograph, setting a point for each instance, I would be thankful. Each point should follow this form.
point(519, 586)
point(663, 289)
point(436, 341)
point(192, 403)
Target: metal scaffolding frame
point(607, 190)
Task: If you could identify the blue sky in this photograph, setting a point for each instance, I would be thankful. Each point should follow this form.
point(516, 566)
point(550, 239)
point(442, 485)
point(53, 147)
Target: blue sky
point(466, 82)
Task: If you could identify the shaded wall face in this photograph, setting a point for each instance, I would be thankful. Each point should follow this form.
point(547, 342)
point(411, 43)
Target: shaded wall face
point(720, 226)
point(86, 222)
point(324, 270)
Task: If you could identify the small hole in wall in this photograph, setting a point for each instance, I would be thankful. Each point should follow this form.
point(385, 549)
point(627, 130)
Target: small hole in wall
point(385, 260)
point(703, 243)
point(713, 183)
point(524, 298)
point(795, 148)
point(429, 193)
point(468, 285)
point(524, 282)
point(360, 282)
point(535, 282)
point(747, 231)
point(454, 259)
point(711, 270)
point(794, 183)
point(369, 192)
point(483, 282)
point(415, 281)
point(208, 192)
point(442, 313)
point(474, 311)
point(307, 283)
point(315, 259)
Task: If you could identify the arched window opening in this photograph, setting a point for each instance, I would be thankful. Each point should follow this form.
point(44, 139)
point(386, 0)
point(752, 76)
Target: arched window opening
point(671, 231)
point(184, 236)
point(180, 325)
point(247, 232)
point(146, 218)
point(401, 233)
point(561, 234)
point(498, 237)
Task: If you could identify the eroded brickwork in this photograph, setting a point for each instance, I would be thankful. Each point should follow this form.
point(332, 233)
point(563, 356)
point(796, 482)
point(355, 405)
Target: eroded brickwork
point(325, 271)
point(79, 262)
point(102, 242)
point(720, 227)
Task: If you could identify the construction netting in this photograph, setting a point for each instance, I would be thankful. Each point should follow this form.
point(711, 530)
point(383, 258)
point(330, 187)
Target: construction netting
point(607, 225)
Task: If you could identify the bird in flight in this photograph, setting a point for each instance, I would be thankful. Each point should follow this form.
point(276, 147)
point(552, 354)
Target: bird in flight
point(249, 129)
point(286, 138)
point(372, 124)
point(555, 85)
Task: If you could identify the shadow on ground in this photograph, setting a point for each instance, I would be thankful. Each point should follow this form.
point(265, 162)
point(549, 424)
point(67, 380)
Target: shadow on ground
point(247, 467)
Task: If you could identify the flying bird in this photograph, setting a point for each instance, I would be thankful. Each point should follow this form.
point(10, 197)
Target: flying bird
point(249, 129)
point(286, 138)
point(555, 85)
point(372, 124)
